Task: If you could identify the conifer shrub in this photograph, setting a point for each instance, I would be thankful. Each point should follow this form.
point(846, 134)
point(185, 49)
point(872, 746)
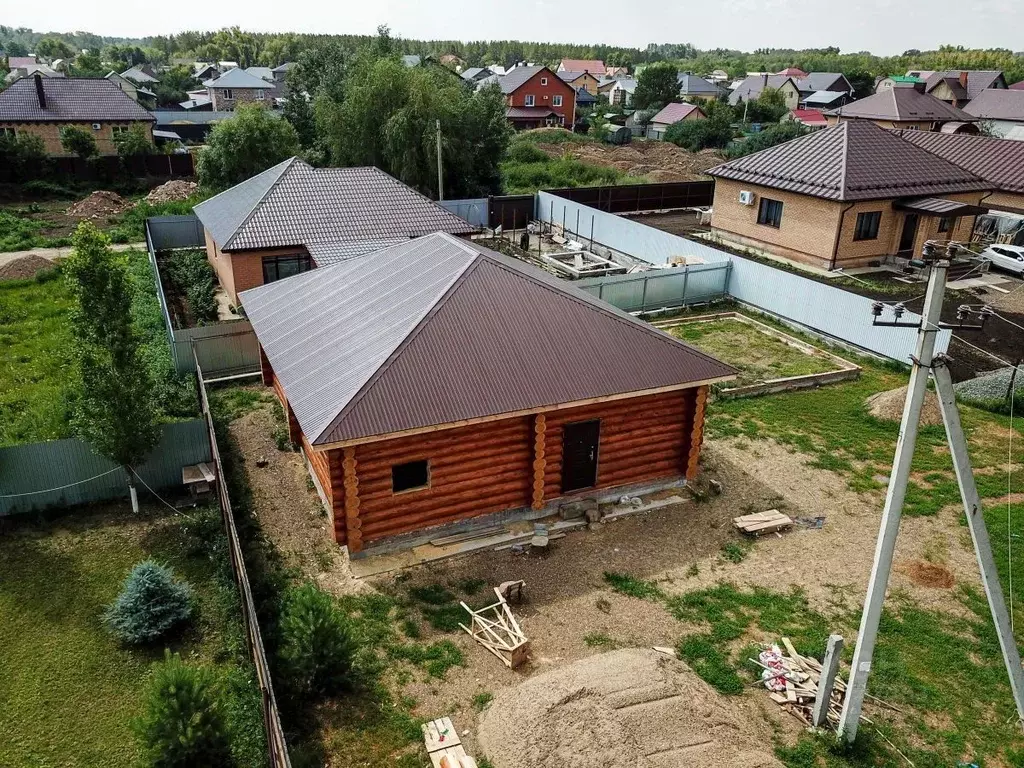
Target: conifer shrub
point(150, 605)
point(317, 650)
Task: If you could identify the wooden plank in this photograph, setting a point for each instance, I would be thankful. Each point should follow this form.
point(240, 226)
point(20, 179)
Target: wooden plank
point(759, 517)
point(479, 533)
point(440, 734)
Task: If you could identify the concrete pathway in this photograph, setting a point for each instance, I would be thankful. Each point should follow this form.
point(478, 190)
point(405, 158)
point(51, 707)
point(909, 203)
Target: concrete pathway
point(59, 253)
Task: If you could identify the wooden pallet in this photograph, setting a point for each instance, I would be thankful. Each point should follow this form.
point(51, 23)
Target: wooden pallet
point(444, 745)
point(762, 522)
point(497, 630)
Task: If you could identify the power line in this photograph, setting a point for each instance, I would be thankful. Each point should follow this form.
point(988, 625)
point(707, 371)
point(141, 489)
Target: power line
point(59, 487)
point(169, 506)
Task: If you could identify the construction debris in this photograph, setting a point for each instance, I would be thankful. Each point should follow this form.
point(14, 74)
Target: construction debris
point(497, 630)
point(444, 745)
point(762, 522)
point(101, 204)
point(25, 267)
point(172, 191)
point(794, 680)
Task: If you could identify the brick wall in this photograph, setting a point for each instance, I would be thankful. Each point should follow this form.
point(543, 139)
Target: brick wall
point(544, 86)
point(920, 125)
point(239, 271)
point(50, 134)
point(1006, 201)
point(264, 96)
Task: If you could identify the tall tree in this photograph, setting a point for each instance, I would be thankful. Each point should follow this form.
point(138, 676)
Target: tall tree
point(89, 65)
point(250, 142)
point(656, 86)
point(115, 413)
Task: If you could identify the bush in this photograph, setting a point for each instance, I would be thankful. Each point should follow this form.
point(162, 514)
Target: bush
point(192, 276)
point(24, 156)
point(78, 141)
point(183, 724)
point(769, 137)
point(695, 135)
point(133, 142)
point(524, 152)
point(317, 650)
point(151, 604)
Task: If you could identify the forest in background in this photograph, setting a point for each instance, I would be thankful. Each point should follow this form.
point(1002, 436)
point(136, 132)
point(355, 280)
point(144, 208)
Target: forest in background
point(271, 49)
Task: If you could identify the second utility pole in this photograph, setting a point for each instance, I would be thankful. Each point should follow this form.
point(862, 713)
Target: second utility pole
point(440, 181)
point(926, 363)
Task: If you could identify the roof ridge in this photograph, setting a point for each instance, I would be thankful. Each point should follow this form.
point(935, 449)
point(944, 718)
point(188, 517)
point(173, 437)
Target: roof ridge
point(289, 164)
point(367, 385)
point(843, 164)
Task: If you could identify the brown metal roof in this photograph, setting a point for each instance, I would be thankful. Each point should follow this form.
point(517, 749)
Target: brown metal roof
point(997, 104)
point(902, 104)
point(938, 206)
point(999, 161)
point(977, 79)
point(673, 113)
point(438, 331)
point(69, 99)
point(855, 160)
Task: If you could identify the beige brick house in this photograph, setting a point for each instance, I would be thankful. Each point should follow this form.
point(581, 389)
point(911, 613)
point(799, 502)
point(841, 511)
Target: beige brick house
point(236, 86)
point(293, 218)
point(905, 106)
point(45, 106)
point(845, 196)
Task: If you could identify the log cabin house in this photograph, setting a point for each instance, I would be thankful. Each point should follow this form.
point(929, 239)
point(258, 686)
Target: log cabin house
point(436, 381)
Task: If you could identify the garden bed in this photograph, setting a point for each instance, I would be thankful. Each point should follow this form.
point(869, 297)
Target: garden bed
point(768, 360)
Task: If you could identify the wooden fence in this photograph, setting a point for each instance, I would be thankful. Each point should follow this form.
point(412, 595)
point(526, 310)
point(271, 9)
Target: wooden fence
point(107, 168)
point(277, 748)
point(633, 198)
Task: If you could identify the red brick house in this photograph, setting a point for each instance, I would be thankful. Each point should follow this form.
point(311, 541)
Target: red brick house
point(437, 381)
point(537, 97)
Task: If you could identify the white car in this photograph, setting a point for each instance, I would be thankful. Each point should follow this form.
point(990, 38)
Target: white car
point(1008, 257)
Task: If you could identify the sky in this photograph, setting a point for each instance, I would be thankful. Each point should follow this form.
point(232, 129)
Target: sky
point(880, 26)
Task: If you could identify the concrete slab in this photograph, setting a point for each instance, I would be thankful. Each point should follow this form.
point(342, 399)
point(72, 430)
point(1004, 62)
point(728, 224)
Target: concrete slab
point(987, 280)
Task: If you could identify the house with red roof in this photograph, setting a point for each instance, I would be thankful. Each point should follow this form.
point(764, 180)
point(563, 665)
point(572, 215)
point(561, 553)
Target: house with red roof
point(792, 72)
point(537, 97)
point(593, 66)
point(809, 118)
point(670, 115)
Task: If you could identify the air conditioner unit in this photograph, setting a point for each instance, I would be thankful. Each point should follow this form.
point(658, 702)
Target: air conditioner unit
point(96, 126)
point(746, 198)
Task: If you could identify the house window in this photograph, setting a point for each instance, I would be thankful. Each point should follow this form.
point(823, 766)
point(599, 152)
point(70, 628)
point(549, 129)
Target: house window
point(543, 81)
point(228, 94)
point(947, 223)
point(528, 100)
point(867, 225)
point(770, 213)
point(280, 267)
point(118, 130)
point(556, 101)
point(411, 476)
point(259, 94)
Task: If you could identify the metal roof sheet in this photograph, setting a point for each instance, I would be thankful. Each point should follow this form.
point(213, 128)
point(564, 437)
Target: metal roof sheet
point(517, 77)
point(999, 161)
point(325, 254)
point(239, 78)
point(691, 85)
point(85, 99)
point(440, 330)
point(997, 104)
point(855, 160)
point(673, 113)
point(977, 79)
point(902, 104)
point(527, 113)
point(296, 204)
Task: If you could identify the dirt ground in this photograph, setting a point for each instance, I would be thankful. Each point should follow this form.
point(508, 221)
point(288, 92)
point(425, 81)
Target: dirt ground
point(656, 160)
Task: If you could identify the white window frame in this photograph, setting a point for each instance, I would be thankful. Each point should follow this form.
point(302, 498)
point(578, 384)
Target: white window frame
point(117, 130)
point(528, 100)
point(259, 94)
point(229, 94)
point(556, 101)
point(543, 81)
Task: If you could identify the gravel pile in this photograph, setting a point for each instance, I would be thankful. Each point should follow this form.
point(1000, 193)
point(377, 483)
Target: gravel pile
point(101, 204)
point(25, 267)
point(888, 406)
point(631, 707)
point(172, 191)
point(990, 386)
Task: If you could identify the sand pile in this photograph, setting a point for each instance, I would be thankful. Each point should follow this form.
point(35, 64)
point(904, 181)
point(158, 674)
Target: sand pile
point(888, 406)
point(631, 707)
point(172, 191)
point(25, 267)
point(101, 204)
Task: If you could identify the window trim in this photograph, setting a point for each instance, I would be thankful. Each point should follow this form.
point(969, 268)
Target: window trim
point(556, 101)
point(414, 488)
point(303, 258)
point(9, 131)
point(529, 100)
point(871, 233)
point(543, 81)
point(764, 218)
point(229, 94)
point(259, 94)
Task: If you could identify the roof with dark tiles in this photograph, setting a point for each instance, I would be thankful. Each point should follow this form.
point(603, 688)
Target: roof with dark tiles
point(77, 99)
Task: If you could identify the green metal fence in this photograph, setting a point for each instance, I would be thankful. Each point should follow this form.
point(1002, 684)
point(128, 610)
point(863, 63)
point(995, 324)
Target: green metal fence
point(63, 473)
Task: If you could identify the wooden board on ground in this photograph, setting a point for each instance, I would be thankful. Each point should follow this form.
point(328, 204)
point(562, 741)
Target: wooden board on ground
point(444, 746)
point(762, 522)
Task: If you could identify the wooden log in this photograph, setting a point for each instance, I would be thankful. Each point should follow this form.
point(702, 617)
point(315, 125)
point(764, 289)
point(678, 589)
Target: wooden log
point(697, 434)
point(445, 513)
point(442, 472)
point(353, 535)
point(539, 461)
point(387, 452)
point(442, 487)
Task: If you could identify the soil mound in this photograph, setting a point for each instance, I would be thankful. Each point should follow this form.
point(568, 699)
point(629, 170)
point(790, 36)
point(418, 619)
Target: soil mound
point(888, 406)
point(629, 707)
point(172, 191)
point(928, 574)
point(658, 160)
point(25, 267)
point(101, 204)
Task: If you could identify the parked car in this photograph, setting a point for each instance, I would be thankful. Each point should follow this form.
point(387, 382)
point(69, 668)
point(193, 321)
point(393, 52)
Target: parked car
point(1008, 257)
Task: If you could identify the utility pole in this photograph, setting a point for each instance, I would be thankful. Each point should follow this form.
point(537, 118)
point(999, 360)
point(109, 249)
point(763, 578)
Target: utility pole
point(925, 364)
point(440, 176)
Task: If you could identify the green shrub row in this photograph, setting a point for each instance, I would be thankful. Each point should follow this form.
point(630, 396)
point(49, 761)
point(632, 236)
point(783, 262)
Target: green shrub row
point(192, 276)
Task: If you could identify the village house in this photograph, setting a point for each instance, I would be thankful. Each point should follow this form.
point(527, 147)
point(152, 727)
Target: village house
point(905, 107)
point(697, 88)
point(671, 114)
point(537, 97)
point(436, 382)
point(579, 80)
point(30, 69)
point(141, 75)
point(750, 89)
point(959, 87)
point(44, 106)
point(292, 218)
point(596, 66)
point(1002, 111)
point(236, 86)
point(621, 92)
point(814, 119)
point(134, 91)
point(850, 195)
point(280, 73)
point(998, 161)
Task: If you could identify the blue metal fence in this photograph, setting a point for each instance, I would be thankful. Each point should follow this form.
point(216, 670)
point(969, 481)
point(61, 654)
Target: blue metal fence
point(475, 210)
point(661, 288)
point(64, 473)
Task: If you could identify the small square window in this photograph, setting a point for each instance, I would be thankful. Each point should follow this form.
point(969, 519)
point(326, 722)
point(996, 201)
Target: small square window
point(543, 81)
point(947, 224)
point(411, 476)
point(528, 100)
point(259, 94)
point(10, 133)
point(769, 213)
point(228, 94)
point(556, 101)
point(867, 225)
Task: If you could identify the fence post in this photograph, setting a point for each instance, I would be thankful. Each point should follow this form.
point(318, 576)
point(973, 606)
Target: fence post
point(643, 294)
point(600, 291)
point(686, 279)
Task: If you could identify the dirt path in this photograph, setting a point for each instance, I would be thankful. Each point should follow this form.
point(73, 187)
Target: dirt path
point(53, 254)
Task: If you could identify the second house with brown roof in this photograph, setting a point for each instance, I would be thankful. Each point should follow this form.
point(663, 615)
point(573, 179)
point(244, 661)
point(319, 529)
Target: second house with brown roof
point(846, 196)
point(537, 98)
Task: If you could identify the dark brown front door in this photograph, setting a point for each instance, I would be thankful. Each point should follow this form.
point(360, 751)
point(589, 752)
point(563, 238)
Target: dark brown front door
point(909, 233)
point(579, 455)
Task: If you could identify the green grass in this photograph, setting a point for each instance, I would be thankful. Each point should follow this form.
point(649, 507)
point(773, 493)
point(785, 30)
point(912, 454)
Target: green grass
point(735, 551)
point(758, 356)
point(599, 640)
point(625, 584)
point(481, 700)
point(703, 654)
point(527, 168)
point(18, 233)
point(35, 352)
point(68, 688)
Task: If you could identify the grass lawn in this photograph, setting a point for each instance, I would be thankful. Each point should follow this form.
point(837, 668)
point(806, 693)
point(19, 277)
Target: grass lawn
point(758, 356)
point(34, 359)
point(68, 690)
